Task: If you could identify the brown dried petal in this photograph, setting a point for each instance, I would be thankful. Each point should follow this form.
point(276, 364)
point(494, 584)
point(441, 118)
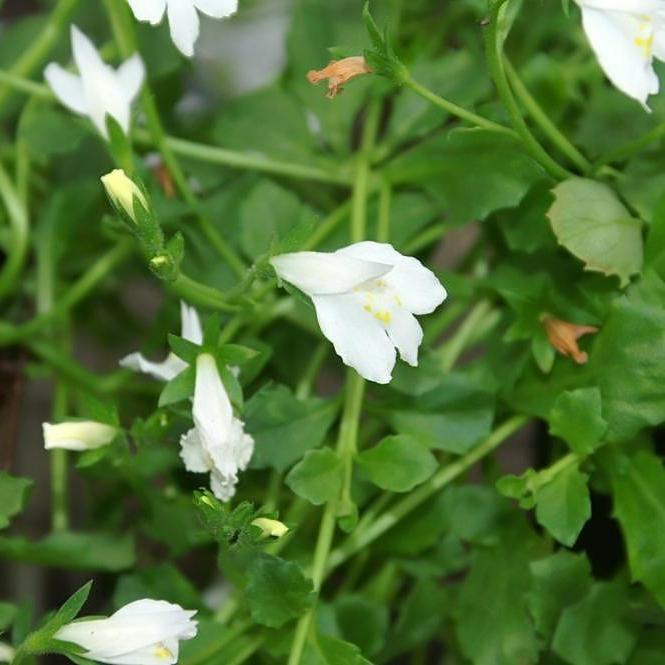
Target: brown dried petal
point(338, 72)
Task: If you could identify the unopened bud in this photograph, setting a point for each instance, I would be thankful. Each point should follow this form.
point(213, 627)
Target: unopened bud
point(271, 528)
point(122, 192)
point(338, 72)
point(78, 435)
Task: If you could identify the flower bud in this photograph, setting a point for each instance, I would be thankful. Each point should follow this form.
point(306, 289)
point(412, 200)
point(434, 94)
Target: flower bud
point(270, 528)
point(122, 191)
point(78, 435)
point(6, 653)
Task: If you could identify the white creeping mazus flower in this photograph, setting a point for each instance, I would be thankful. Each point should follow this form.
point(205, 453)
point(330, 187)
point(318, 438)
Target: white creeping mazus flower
point(217, 444)
point(365, 297)
point(172, 366)
point(183, 17)
point(78, 435)
point(145, 632)
point(626, 35)
point(99, 90)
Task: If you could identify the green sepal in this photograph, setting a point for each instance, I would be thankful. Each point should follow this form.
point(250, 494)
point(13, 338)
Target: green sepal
point(120, 146)
point(183, 348)
point(179, 388)
point(235, 354)
point(382, 58)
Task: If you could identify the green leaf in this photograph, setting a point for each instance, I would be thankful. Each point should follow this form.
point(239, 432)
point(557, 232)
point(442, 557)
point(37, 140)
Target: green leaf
point(235, 354)
point(638, 484)
point(577, 418)
point(14, 493)
point(318, 477)
point(590, 221)
point(179, 388)
point(502, 172)
point(285, 428)
point(48, 131)
point(563, 505)
point(397, 463)
point(277, 590)
point(557, 581)
point(183, 348)
point(596, 631)
point(326, 650)
point(363, 622)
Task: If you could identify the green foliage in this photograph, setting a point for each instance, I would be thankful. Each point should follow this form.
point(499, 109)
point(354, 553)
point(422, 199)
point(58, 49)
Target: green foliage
point(14, 493)
point(318, 477)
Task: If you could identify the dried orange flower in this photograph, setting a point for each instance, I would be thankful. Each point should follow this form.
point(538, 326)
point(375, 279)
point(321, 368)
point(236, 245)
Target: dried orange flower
point(563, 336)
point(338, 72)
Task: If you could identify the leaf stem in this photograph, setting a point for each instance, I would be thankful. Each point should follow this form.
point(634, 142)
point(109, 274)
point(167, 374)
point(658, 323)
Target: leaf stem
point(494, 53)
point(19, 223)
point(358, 540)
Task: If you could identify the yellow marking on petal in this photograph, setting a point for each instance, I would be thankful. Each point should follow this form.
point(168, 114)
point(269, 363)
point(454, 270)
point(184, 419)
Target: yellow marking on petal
point(645, 44)
point(368, 308)
point(162, 652)
point(398, 300)
point(384, 316)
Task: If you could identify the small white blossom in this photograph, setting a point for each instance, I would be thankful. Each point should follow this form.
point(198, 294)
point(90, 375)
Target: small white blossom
point(78, 435)
point(183, 17)
point(271, 528)
point(6, 653)
point(626, 35)
point(98, 90)
point(365, 297)
point(217, 444)
point(145, 632)
point(172, 366)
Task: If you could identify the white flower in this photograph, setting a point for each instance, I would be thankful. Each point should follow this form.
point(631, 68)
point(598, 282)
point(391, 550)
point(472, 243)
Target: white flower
point(122, 191)
point(6, 653)
point(78, 435)
point(365, 297)
point(217, 444)
point(626, 35)
point(183, 17)
point(99, 90)
point(271, 528)
point(145, 632)
point(172, 366)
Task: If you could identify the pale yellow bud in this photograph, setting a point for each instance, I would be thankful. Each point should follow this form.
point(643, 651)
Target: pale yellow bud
point(78, 435)
point(122, 191)
point(271, 528)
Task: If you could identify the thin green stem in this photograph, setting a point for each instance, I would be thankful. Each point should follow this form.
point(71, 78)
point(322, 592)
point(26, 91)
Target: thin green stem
point(424, 239)
point(385, 202)
point(631, 149)
point(359, 540)
point(535, 110)
point(454, 109)
point(234, 159)
point(17, 250)
point(304, 388)
point(494, 52)
point(453, 348)
point(202, 294)
point(59, 467)
point(39, 49)
point(77, 292)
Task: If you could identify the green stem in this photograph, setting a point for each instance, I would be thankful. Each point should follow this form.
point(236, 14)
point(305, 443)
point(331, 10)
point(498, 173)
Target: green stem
point(38, 50)
point(123, 30)
point(359, 540)
point(454, 109)
point(202, 294)
point(543, 120)
point(385, 202)
point(452, 349)
point(494, 51)
point(59, 467)
point(77, 292)
point(304, 388)
point(424, 239)
point(18, 220)
point(239, 160)
point(628, 150)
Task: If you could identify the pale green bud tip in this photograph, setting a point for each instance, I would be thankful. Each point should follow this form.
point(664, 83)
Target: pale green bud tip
point(122, 191)
point(270, 528)
point(158, 260)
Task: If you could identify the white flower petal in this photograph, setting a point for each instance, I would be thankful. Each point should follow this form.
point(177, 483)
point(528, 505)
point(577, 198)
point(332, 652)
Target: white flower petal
point(359, 339)
point(191, 324)
point(222, 486)
point(418, 289)
point(148, 10)
point(87, 59)
point(184, 24)
point(78, 435)
point(192, 452)
point(318, 273)
point(634, 6)
point(162, 371)
point(612, 36)
point(131, 75)
point(217, 8)
point(406, 334)
point(67, 87)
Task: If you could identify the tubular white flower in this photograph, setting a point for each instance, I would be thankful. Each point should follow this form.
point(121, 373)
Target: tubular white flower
point(78, 435)
point(6, 653)
point(122, 191)
point(365, 297)
point(145, 632)
point(172, 365)
point(99, 90)
point(183, 17)
point(626, 35)
point(217, 444)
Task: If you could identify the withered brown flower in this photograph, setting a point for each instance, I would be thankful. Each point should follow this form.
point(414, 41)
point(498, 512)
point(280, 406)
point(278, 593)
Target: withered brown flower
point(563, 336)
point(338, 72)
